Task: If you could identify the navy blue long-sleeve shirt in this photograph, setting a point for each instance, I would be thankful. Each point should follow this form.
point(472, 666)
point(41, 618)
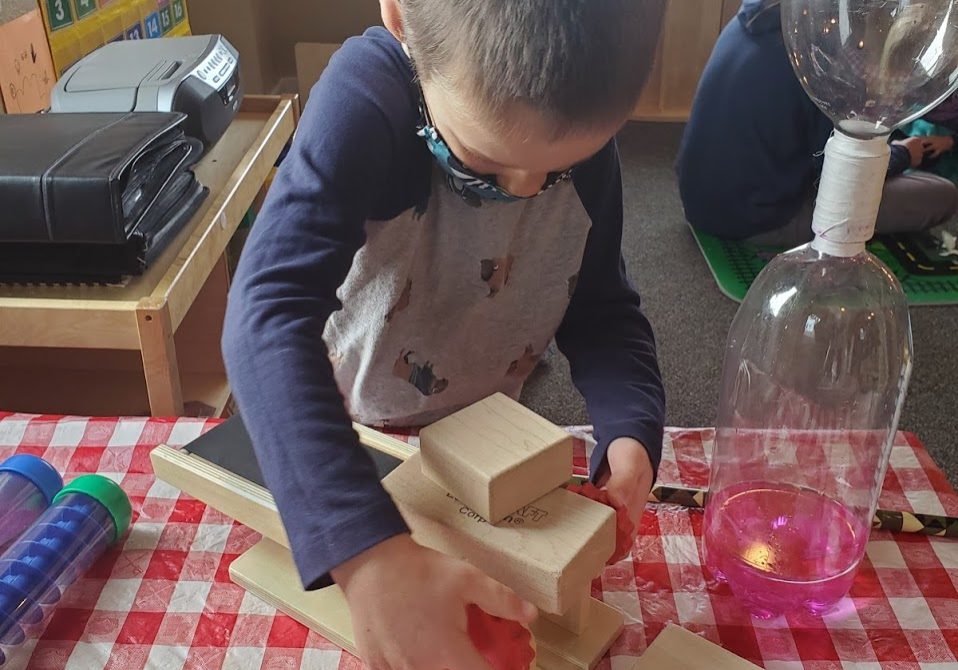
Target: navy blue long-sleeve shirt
point(361, 247)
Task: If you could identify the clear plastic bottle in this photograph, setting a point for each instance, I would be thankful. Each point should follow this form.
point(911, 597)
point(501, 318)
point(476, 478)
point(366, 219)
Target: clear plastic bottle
point(815, 374)
point(820, 353)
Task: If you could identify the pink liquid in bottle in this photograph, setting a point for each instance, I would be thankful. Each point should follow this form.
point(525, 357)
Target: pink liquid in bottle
point(783, 549)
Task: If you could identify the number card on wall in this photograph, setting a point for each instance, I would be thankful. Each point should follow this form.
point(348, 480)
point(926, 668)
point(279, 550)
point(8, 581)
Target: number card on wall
point(60, 13)
point(152, 23)
point(166, 19)
point(85, 7)
point(135, 32)
point(179, 12)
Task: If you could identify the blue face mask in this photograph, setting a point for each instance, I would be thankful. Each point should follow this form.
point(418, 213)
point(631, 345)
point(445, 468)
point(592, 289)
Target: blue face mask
point(472, 187)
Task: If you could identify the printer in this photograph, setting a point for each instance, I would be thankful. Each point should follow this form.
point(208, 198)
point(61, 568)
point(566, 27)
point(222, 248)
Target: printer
point(198, 76)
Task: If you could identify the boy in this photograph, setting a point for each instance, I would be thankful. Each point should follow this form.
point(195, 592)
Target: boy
point(451, 202)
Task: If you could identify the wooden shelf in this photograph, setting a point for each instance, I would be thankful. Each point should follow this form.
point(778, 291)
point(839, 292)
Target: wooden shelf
point(125, 349)
point(105, 316)
point(689, 31)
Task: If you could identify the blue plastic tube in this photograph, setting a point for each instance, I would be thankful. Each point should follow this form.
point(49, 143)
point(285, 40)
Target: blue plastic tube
point(86, 517)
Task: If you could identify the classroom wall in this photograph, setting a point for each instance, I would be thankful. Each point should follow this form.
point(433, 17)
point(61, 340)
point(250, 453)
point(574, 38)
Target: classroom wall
point(266, 31)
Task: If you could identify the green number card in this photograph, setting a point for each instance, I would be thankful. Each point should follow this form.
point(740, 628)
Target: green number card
point(179, 12)
point(166, 19)
point(85, 7)
point(60, 12)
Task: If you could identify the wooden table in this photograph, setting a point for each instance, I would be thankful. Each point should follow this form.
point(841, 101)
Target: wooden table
point(150, 346)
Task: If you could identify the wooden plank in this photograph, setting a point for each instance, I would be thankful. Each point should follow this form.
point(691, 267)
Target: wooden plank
point(388, 445)
point(548, 552)
point(268, 572)
point(250, 504)
point(576, 619)
point(558, 648)
point(496, 456)
point(160, 367)
point(678, 649)
point(67, 323)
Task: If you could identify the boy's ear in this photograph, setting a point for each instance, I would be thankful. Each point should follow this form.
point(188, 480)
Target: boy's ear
point(392, 18)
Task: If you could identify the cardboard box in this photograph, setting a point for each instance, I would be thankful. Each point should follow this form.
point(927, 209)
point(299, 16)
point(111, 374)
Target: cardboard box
point(548, 552)
point(311, 59)
point(496, 456)
point(10, 10)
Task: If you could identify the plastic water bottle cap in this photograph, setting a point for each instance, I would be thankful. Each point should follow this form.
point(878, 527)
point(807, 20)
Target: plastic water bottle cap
point(43, 475)
point(106, 492)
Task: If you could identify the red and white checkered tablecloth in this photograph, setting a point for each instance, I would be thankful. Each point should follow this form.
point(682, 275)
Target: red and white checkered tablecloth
point(163, 599)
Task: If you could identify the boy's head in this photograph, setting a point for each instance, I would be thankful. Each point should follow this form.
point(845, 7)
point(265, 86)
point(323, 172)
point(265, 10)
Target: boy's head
point(522, 88)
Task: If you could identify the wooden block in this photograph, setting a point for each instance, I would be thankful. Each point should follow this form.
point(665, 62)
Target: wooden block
point(250, 504)
point(268, 572)
point(678, 649)
point(576, 618)
point(549, 551)
point(558, 648)
point(496, 456)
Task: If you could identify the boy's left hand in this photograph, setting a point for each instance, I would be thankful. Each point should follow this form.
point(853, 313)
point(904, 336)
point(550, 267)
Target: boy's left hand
point(629, 479)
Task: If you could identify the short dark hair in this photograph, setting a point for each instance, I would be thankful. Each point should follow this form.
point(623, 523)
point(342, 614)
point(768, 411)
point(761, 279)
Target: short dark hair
point(579, 63)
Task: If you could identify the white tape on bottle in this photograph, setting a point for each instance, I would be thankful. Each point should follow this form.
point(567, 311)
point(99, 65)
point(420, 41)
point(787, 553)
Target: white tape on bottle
point(849, 194)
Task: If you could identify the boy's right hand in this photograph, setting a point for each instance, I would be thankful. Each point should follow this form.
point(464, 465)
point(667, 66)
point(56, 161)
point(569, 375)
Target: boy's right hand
point(408, 606)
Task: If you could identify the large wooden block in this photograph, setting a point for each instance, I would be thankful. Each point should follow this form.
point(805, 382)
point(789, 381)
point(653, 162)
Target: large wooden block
point(496, 456)
point(548, 551)
point(678, 649)
point(268, 572)
point(576, 618)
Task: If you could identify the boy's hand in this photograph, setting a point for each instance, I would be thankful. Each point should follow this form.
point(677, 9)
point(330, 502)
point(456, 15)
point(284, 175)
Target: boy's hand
point(630, 475)
point(916, 149)
point(408, 605)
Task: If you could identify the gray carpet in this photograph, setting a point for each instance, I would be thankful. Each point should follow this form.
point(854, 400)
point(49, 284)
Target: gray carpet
point(691, 317)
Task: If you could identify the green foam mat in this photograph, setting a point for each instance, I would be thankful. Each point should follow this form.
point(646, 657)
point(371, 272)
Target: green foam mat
point(927, 277)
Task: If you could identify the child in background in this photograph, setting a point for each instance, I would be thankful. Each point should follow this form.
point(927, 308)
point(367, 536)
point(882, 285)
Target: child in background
point(751, 153)
point(938, 129)
point(452, 201)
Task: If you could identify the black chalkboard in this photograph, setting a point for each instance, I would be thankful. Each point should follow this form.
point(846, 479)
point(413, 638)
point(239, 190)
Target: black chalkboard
point(228, 445)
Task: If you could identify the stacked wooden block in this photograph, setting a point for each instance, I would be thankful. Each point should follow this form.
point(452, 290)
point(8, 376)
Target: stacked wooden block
point(487, 487)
